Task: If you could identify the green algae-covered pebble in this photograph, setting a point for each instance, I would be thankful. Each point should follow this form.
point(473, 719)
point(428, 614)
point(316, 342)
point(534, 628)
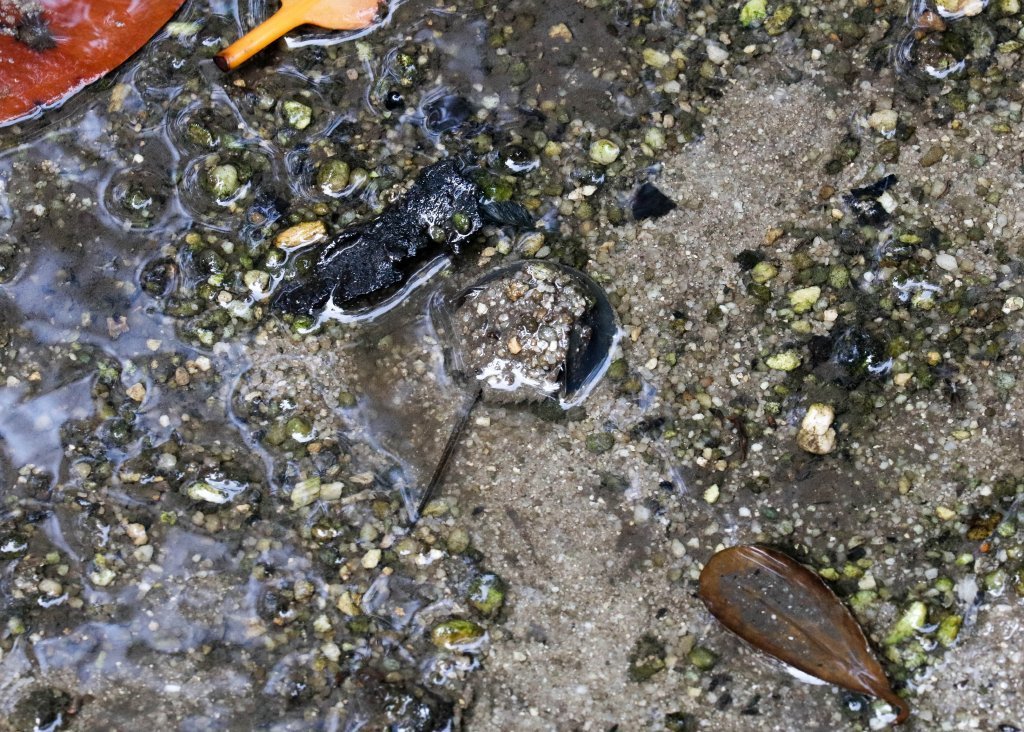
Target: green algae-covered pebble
point(199, 135)
point(785, 361)
point(863, 600)
point(223, 181)
point(604, 152)
point(655, 138)
point(779, 20)
point(299, 429)
point(646, 659)
point(305, 492)
point(702, 658)
point(297, 114)
point(461, 222)
point(332, 176)
point(618, 369)
point(655, 58)
point(838, 276)
point(914, 618)
point(456, 635)
point(995, 581)
point(487, 594)
point(763, 272)
point(949, 629)
point(754, 13)
point(458, 541)
point(600, 442)
point(803, 299)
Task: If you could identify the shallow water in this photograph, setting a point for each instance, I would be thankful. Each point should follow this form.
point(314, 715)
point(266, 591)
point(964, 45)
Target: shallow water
point(183, 582)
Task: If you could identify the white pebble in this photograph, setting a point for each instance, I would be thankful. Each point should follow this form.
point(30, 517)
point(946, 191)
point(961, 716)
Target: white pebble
point(371, 559)
point(717, 54)
point(946, 262)
point(816, 435)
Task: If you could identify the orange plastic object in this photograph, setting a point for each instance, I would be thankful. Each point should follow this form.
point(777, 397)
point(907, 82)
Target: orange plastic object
point(50, 49)
point(331, 14)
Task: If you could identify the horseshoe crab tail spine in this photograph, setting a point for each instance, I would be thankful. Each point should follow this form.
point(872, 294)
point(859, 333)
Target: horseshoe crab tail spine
point(446, 455)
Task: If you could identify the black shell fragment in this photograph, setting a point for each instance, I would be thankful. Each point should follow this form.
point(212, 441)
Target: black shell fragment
point(650, 203)
point(507, 213)
point(373, 258)
point(864, 201)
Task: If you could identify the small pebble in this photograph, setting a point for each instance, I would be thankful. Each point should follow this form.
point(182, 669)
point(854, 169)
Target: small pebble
point(816, 435)
point(302, 235)
point(803, 299)
point(600, 442)
point(371, 559)
point(604, 152)
point(785, 361)
point(933, 155)
point(136, 392)
point(50, 587)
point(716, 54)
point(946, 262)
point(137, 533)
point(655, 58)
point(884, 121)
point(1013, 304)
point(560, 32)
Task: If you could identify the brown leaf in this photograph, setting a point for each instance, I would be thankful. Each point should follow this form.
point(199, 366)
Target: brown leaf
point(784, 609)
point(58, 47)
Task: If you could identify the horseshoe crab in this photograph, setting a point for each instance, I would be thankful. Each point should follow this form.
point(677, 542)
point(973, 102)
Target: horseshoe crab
point(525, 332)
point(530, 331)
point(49, 50)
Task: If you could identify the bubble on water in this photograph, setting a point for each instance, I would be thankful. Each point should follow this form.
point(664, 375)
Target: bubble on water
point(135, 199)
point(205, 126)
point(216, 188)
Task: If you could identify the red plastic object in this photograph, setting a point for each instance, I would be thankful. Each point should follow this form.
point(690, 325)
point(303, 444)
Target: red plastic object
point(50, 49)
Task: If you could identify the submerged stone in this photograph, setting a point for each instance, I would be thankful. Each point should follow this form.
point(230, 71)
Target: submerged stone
point(457, 635)
point(487, 594)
